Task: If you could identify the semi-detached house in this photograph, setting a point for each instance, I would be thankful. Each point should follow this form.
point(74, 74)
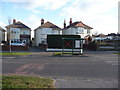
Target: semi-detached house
point(18, 32)
point(77, 28)
point(45, 29)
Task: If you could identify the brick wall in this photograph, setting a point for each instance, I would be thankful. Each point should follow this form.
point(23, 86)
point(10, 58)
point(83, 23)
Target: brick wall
point(15, 48)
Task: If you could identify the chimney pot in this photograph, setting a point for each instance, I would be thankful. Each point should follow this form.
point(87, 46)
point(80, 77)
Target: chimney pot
point(42, 21)
point(70, 21)
point(14, 21)
point(64, 23)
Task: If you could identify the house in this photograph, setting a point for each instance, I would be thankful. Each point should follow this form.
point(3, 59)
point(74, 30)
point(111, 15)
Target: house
point(99, 37)
point(77, 28)
point(2, 35)
point(112, 36)
point(45, 29)
point(18, 32)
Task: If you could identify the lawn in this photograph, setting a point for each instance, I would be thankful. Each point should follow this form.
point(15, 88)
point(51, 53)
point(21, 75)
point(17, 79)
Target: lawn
point(26, 82)
point(14, 53)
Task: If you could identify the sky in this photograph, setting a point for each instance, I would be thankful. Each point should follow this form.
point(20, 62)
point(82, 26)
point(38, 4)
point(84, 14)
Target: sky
point(101, 15)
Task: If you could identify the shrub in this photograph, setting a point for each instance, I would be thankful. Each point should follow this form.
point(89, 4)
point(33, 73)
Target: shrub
point(93, 45)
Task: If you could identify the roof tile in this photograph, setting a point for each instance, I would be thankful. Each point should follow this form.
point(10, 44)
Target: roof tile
point(2, 29)
point(17, 25)
point(79, 24)
point(49, 25)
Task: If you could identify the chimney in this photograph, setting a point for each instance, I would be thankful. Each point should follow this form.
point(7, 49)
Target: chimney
point(70, 21)
point(42, 21)
point(64, 23)
point(14, 21)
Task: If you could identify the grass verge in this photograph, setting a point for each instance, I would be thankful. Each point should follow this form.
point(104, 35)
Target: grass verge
point(14, 53)
point(57, 53)
point(117, 53)
point(26, 82)
point(60, 53)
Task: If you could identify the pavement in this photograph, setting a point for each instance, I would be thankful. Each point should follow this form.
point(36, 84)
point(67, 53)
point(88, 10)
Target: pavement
point(93, 69)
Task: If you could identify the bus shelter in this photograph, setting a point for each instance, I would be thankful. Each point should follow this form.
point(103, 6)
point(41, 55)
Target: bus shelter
point(74, 45)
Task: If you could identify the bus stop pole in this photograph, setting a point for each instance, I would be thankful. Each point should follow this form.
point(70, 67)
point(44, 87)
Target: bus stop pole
point(62, 46)
point(81, 46)
point(72, 45)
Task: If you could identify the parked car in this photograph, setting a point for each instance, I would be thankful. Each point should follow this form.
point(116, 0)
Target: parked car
point(18, 43)
point(3, 43)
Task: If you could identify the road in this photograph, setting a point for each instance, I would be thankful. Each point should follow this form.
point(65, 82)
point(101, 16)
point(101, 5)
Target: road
point(91, 70)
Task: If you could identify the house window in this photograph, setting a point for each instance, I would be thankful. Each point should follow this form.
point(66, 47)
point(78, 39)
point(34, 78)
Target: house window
point(15, 41)
point(17, 32)
point(43, 41)
point(54, 31)
point(46, 31)
point(25, 32)
point(88, 31)
point(14, 32)
point(80, 31)
point(77, 32)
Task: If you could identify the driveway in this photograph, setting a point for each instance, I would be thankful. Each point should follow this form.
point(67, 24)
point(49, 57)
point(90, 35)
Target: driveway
point(91, 70)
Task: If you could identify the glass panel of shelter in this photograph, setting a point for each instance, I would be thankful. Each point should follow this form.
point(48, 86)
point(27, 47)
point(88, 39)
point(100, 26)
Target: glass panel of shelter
point(75, 44)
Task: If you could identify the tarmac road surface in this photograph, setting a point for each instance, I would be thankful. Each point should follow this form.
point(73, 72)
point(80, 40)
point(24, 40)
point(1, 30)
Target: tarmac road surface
point(92, 70)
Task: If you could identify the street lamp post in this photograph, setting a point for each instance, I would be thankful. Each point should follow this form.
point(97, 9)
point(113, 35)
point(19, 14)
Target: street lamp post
point(9, 22)
point(10, 39)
